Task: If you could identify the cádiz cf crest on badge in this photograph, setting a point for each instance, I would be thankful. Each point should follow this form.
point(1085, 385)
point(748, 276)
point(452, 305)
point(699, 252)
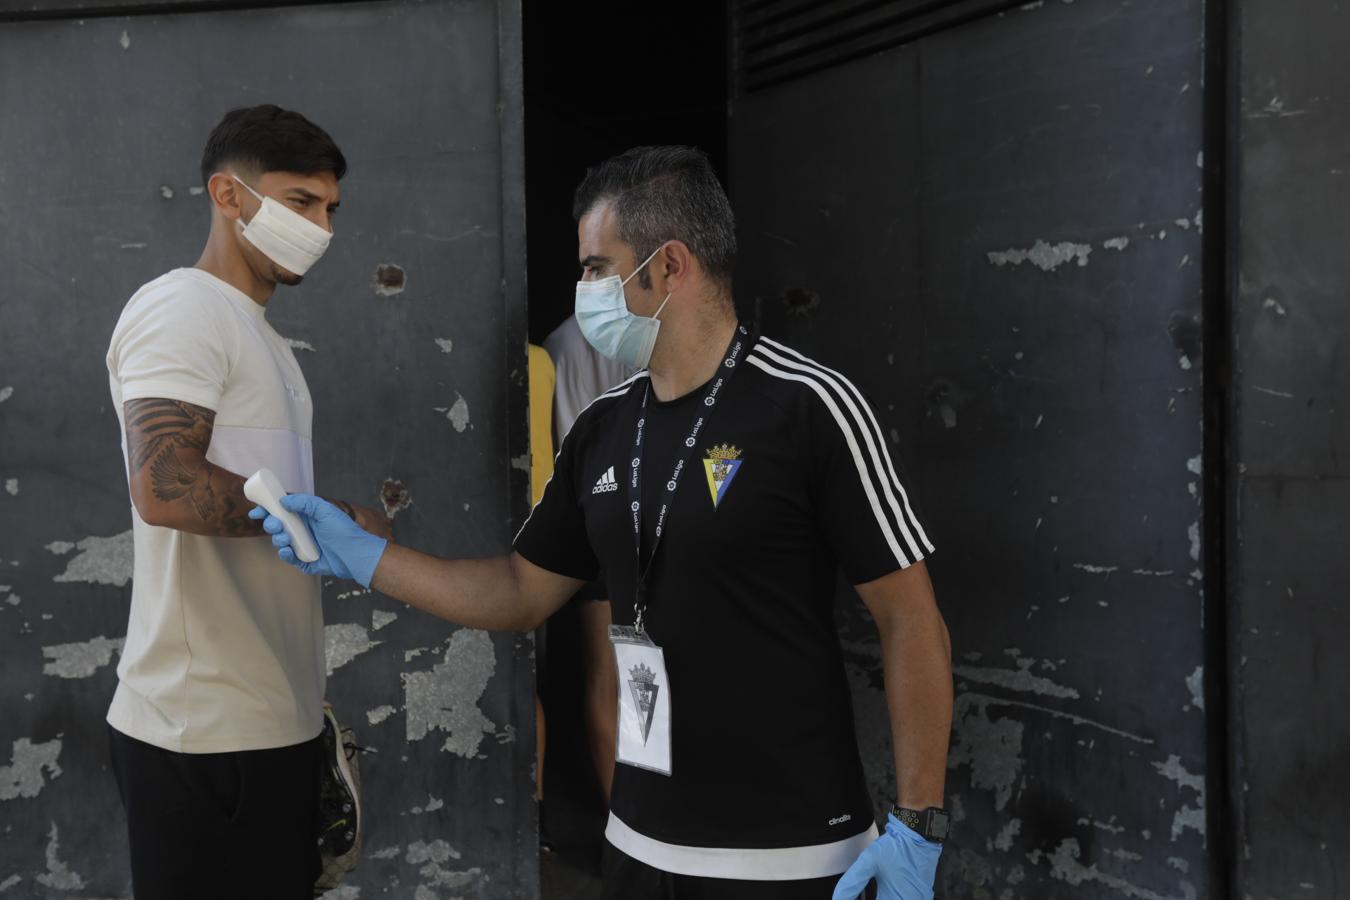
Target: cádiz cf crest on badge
point(644, 690)
point(721, 465)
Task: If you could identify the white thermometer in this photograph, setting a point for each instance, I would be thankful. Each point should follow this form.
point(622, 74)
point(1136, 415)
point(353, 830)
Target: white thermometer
point(264, 489)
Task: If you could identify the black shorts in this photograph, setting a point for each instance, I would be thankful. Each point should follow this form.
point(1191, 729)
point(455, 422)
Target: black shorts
point(627, 879)
point(220, 825)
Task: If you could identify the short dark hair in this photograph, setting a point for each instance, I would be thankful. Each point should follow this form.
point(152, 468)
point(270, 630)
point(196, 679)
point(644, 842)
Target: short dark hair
point(268, 138)
point(662, 194)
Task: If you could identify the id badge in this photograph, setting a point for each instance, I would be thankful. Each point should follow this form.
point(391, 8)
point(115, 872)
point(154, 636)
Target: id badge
point(644, 701)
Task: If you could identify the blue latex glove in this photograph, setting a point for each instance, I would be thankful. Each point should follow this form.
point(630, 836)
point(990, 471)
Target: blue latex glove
point(903, 864)
point(346, 550)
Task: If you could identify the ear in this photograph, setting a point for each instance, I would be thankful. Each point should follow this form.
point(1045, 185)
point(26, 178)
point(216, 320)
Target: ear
point(224, 192)
point(673, 267)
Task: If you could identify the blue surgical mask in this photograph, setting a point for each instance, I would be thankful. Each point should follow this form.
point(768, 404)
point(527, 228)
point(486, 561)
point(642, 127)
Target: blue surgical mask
point(610, 327)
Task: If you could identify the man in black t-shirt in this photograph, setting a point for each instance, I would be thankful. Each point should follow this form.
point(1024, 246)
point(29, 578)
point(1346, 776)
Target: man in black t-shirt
point(720, 491)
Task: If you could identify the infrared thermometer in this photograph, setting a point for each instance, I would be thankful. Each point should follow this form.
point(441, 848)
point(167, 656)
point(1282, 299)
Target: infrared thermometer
point(264, 489)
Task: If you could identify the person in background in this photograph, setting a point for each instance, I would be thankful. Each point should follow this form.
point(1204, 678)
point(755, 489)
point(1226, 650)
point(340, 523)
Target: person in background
point(582, 375)
point(541, 380)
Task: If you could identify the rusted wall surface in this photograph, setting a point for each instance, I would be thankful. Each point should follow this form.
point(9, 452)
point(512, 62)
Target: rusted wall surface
point(418, 379)
point(996, 231)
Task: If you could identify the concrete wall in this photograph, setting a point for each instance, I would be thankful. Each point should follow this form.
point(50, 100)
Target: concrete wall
point(103, 124)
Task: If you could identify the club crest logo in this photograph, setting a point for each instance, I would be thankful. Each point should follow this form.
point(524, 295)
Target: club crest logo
point(721, 465)
point(644, 689)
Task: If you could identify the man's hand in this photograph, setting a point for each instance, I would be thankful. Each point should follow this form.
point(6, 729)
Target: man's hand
point(346, 550)
point(903, 864)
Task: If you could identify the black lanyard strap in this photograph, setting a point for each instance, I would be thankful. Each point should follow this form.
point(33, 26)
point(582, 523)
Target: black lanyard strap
point(716, 387)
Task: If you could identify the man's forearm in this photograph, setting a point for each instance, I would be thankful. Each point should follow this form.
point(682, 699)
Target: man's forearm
point(172, 484)
point(478, 593)
point(207, 500)
point(917, 659)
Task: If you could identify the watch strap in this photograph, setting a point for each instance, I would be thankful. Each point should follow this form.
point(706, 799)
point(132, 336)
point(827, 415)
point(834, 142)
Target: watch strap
point(930, 824)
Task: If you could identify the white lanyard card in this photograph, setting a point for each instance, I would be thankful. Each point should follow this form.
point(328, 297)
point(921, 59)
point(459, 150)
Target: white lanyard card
point(644, 700)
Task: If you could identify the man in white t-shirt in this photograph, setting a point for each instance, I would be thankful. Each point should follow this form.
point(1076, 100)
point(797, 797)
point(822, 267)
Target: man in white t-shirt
point(216, 724)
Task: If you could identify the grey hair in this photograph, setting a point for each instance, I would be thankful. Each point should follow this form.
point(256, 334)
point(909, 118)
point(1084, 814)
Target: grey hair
point(662, 194)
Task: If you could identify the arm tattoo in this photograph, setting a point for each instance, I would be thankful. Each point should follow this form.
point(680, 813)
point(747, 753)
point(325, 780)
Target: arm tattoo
point(170, 438)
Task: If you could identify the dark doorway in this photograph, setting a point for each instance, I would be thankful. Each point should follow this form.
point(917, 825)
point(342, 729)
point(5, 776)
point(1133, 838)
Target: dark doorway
point(599, 78)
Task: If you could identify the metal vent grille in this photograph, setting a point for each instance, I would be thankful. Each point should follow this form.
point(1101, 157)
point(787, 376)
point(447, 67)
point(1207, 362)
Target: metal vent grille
point(777, 40)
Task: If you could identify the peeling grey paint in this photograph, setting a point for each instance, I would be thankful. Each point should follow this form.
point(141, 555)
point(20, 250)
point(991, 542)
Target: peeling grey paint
point(12, 486)
point(445, 344)
point(6, 392)
point(387, 852)
point(1118, 243)
point(521, 462)
point(379, 618)
point(447, 696)
point(1193, 532)
point(9, 882)
point(59, 548)
point(1096, 570)
point(344, 642)
point(81, 659)
point(59, 876)
point(342, 892)
point(432, 804)
point(433, 856)
point(1195, 683)
point(1042, 255)
point(459, 413)
point(1187, 816)
point(1065, 866)
point(299, 345)
point(1004, 839)
point(991, 747)
point(380, 713)
point(23, 777)
point(101, 560)
point(1019, 679)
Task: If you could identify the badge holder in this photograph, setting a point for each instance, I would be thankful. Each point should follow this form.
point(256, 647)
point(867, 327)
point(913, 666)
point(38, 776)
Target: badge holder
point(644, 700)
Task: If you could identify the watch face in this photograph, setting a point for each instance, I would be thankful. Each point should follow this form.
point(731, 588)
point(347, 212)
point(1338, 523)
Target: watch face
point(938, 823)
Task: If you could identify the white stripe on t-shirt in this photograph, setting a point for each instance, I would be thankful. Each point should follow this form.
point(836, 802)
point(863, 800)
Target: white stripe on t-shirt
point(752, 864)
point(844, 388)
point(865, 473)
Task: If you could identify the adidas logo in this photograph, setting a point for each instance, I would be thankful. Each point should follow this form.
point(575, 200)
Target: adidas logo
point(606, 484)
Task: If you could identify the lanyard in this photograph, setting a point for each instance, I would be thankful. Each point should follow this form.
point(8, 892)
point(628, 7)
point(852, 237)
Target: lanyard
point(704, 411)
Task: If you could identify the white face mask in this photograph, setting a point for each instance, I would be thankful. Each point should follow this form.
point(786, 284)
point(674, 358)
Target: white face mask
point(610, 327)
point(284, 236)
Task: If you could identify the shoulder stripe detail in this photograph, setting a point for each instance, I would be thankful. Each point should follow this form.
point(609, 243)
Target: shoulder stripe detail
point(617, 391)
point(841, 383)
point(901, 557)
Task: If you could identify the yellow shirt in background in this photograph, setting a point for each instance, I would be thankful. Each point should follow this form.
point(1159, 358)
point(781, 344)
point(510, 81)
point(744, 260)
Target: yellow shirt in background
point(542, 379)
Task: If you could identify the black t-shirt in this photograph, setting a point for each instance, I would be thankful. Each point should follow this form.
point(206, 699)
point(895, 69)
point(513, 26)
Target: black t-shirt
point(789, 482)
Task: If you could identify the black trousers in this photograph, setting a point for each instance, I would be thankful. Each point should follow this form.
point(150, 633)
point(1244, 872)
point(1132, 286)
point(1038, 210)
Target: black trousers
point(626, 878)
point(220, 826)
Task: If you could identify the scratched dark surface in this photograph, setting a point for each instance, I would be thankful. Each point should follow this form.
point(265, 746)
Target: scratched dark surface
point(1289, 567)
point(994, 231)
point(103, 125)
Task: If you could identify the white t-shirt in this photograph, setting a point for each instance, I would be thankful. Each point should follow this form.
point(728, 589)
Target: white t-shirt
point(582, 374)
point(224, 648)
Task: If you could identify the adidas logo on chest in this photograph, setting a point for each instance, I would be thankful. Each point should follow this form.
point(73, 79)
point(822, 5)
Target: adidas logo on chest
point(607, 483)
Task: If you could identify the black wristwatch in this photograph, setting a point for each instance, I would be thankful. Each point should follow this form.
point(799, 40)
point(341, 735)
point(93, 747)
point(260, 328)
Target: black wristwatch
point(931, 824)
